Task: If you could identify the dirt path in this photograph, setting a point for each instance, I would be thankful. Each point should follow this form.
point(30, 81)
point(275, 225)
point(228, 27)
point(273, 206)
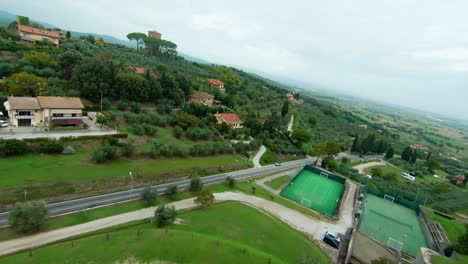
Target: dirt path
point(256, 159)
point(362, 167)
point(290, 124)
point(295, 219)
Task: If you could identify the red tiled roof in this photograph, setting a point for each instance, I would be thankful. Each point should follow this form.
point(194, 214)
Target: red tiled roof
point(215, 82)
point(38, 31)
point(230, 118)
point(138, 70)
point(58, 102)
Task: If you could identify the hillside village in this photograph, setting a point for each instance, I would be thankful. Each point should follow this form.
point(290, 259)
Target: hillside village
point(141, 133)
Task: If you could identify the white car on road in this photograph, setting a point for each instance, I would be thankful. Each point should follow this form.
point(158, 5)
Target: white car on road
point(3, 123)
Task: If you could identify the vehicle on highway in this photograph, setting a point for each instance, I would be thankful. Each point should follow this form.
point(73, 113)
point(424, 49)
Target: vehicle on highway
point(3, 123)
point(277, 164)
point(332, 239)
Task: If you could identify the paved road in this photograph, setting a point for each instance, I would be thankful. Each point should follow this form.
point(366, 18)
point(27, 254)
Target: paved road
point(72, 206)
point(362, 167)
point(290, 124)
point(295, 219)
point(256, 159)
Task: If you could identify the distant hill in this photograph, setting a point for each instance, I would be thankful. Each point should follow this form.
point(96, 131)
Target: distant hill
point(6, 18)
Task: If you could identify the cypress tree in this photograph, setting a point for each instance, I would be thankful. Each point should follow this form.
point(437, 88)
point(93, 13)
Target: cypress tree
point(414, 157)
point(356, 146)
point(285, 109)
point(406, 154)
point(390, 153)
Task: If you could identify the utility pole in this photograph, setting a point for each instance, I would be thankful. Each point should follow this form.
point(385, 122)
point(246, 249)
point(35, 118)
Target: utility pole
point(25, 194)
point(369, 177)
point(101, 101)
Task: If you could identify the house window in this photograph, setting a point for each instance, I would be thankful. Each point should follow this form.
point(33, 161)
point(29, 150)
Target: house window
point(57, 115)
point(73, 115)
point(24, 113)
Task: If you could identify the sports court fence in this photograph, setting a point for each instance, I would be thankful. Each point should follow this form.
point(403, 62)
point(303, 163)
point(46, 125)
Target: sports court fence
point(398, 200)
point(322, 172)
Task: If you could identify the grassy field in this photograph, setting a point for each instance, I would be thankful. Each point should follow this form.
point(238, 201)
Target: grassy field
point(33, 169)
point(278, 182)
point(398, 171)
point(231, 232)
point(452, 229)
point(462, 259)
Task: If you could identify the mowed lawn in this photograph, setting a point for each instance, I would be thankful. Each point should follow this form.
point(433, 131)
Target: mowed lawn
point(278, 182)
point(226, 233)
point(32, 169)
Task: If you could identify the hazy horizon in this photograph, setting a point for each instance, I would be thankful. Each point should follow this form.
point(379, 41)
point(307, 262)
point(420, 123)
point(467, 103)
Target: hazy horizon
point(399, 52)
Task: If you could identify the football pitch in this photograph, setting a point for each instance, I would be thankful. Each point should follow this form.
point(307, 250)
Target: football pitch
point(392, 224)
point(315, 191)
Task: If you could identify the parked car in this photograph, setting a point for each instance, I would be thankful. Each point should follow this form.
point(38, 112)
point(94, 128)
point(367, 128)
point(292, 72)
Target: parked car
point(3, 123)
point(277, 164)
point(332, 239)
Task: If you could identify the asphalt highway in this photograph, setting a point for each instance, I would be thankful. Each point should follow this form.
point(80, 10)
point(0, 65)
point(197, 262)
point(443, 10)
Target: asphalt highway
point(77, 205)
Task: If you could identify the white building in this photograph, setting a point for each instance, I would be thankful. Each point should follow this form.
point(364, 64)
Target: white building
point(44, 111)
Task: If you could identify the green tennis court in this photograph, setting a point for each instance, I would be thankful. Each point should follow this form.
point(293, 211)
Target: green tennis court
point(315, 191)
point(392, 224)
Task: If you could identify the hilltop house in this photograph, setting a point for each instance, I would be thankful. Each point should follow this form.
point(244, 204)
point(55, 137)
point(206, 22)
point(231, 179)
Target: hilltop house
point(230, 118)
point(459, 179)
point(44, 111)
point(294, 100)
point(417, 146)
point(32, 35)
point(154, 34)
point(201, 98)
point(138, 70)
point(218, 84)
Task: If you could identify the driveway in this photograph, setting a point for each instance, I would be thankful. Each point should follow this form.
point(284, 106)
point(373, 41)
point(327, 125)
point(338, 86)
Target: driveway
point(36, 132)
point(256, 159)
point(290, 124)
point(295, 219)
point(362, 167)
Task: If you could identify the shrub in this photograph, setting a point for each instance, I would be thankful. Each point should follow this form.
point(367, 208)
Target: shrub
point(164, 215)
point(104, 154)
point(178, 132)
point(231, 182)
point(150, 130)
point(172, 191)
point(197, 133)
point(122, 105)
point(138, 130)
point(377, 171)
point(205, 198)
point(149, 196)
point(52, 147)
point(127, 149)
point(12, 147)
point(196, 184)
point(136, 107)
point(68, 150)
point(27, 217)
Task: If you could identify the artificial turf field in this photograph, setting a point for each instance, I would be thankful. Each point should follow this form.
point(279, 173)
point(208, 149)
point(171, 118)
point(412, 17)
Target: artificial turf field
point(315, 191)
point(383, 219)
point(225, 233)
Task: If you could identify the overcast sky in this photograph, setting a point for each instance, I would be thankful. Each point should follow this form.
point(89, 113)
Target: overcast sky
point(409, 52)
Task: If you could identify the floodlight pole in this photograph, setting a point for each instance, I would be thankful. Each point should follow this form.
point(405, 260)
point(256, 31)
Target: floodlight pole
point(131, 186)
point(369, 177)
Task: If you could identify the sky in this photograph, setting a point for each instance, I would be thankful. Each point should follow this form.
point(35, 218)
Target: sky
point(405, 52)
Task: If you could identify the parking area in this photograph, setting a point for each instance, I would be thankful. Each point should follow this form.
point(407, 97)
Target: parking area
point(92, 129)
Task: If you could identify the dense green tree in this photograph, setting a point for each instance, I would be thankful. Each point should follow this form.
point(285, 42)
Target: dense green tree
point(301, 135)
point(390, 153)
point(12, 147)
point(433, 164)
point(67, 61)
point(172, 191)
point(414, 157)
point(328, 149)
point(39, 60)
point(285, 108)
point(273, 123)
point(312, 120)
point(6, 69)
point(164, 216)
point(102, 119)
point(27, 217)
point(406, 154)
point(68, 34)
point(24, 84)
point(137, 37)
point(97, 76)
point(133, 87)
point(231, 181)
point(356, 147)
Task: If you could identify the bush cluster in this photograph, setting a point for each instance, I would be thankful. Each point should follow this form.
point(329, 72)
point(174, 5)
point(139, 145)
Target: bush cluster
point(12, 147)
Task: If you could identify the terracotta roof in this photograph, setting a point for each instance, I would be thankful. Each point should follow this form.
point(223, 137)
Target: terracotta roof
point(215, 82)
point(23, 103)
point(230, 118)
point(56, 102)
point(38, 31)
point(201, 96)
point(459, 177)
point(138, 70)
